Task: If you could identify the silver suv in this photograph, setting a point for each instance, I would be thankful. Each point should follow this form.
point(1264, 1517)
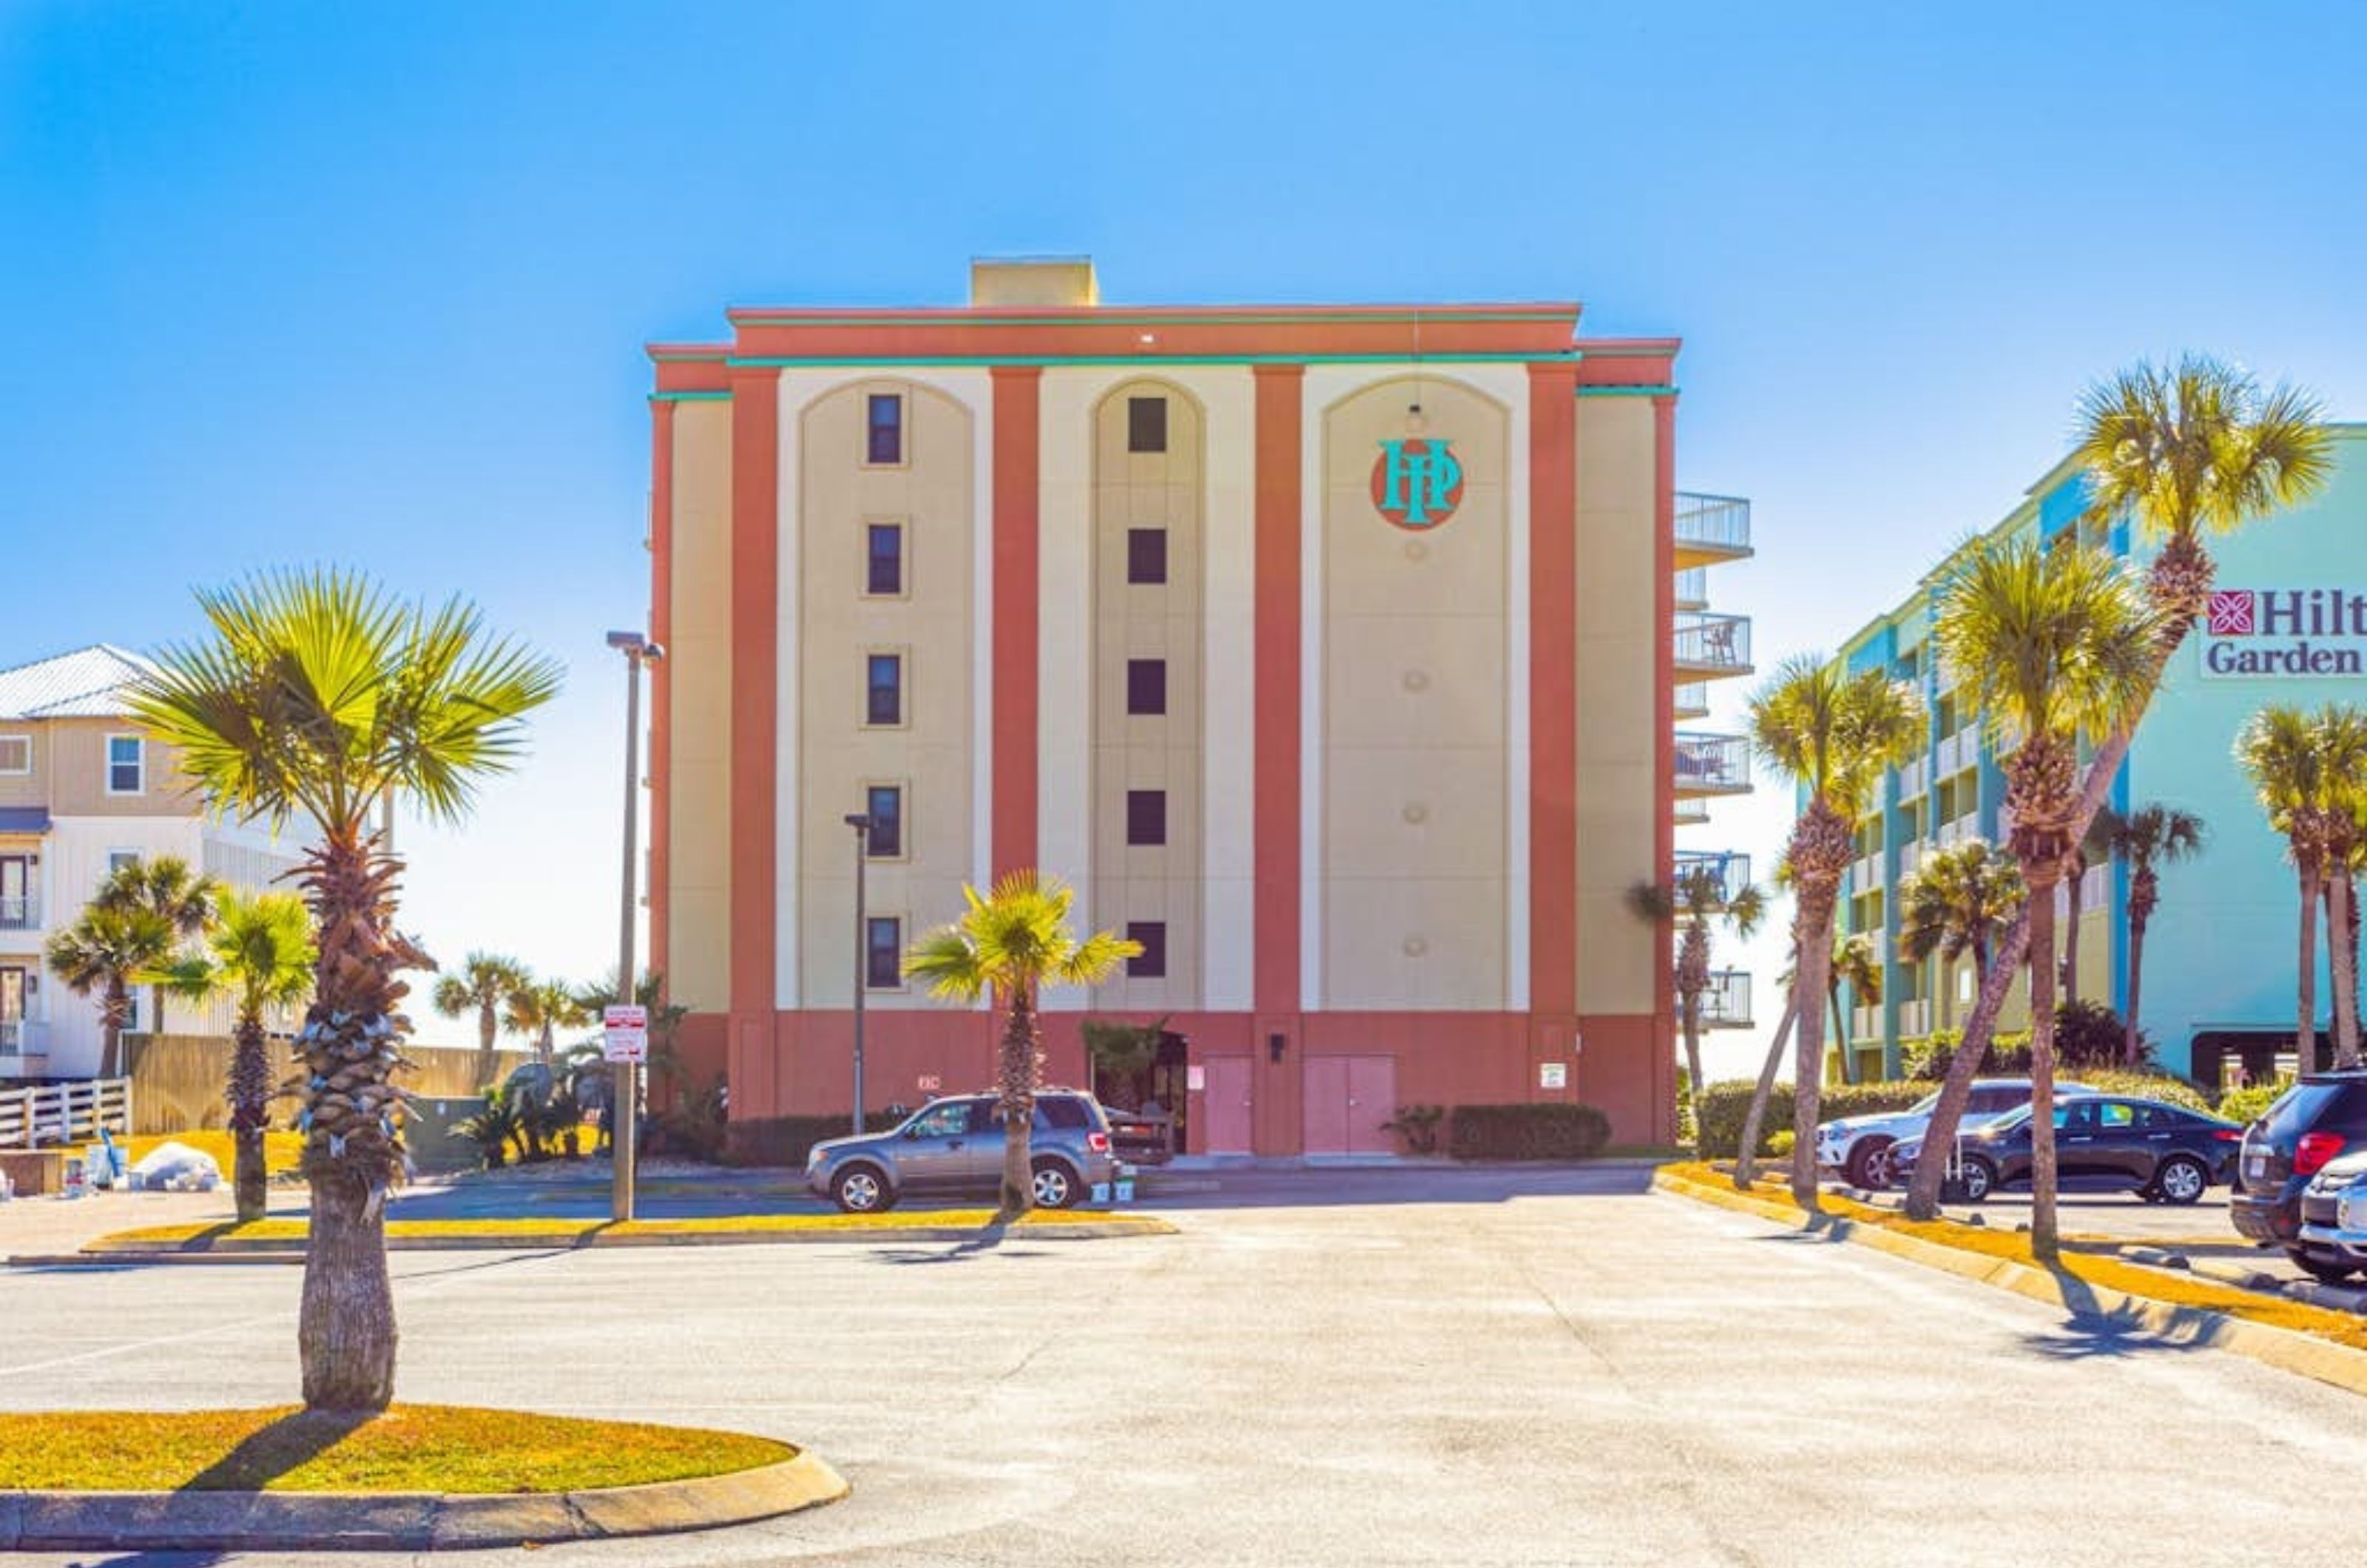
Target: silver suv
point(955, 1145)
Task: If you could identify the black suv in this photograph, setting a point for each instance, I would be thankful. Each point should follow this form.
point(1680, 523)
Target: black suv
point(2318, 1119)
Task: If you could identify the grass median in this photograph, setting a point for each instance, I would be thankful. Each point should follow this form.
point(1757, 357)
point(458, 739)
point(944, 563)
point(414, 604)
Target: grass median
point(528, 1231)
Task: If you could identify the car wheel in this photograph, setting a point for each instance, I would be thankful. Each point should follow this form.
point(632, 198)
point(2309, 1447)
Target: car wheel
point(861, 1189)
point(2324, 1273)
point(2181, 1180)
point(1869, 1164)
point(1978, 1178)
point(1055, 1187)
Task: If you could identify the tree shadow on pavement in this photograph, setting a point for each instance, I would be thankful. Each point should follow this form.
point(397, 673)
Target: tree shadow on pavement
point(988, 1240)
point(156, 1560)
point(2093, 1329)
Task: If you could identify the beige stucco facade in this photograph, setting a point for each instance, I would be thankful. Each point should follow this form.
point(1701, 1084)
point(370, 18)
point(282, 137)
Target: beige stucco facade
point(697, 803)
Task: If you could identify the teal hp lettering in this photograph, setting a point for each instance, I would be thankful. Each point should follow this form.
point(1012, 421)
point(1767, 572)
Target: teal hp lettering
point(1417, 484)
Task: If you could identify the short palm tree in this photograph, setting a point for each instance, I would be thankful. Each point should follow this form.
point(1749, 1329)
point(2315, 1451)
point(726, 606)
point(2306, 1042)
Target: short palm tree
point(317, 696)
point(166, 887)
point(108, 950)
point(260, 954)
point(2147, 839)
point(1696, 902)
point(1957, 903)
point(2094, 849)
point(484, 984)
point(540, 1009)
point(2278, 749)
point(1835, 734)
point(1008, 945)
point(1857, 963)
point(2053, 648)
point(2341, 733)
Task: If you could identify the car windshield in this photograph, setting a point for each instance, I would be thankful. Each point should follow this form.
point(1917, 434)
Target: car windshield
point(1925, 1106)
point(2007, 1121)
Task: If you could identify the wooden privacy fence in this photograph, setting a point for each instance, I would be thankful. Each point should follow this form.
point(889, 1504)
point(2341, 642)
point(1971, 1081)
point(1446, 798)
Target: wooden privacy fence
point(73, 1113)
point(179, 1078)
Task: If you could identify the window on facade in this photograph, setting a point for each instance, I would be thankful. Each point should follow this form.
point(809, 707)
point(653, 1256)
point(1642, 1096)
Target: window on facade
point(1146, 685)
point(126, 764)
point(1146, 554)
point(1146, 817)
point(885, 806)
point(883, 695)
point(883, 953)
point(883, 428)
point(1150, 963)
point(883, 559)
point(16, 753)
point(1146, 424)
point(118, 859)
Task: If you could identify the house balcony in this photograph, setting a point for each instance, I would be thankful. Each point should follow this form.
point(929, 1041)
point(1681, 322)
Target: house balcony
point(1865, 875)
point(1727, 1003)
point(1711, 648)
point(1693, 588)
point(1689, 812)
point(1865, 1023)
point(1957, 752)
point(1693, 700)
point(1711, 528)
point(1951, 834)
point(1915, 1019)
point(1712, 765)
point(2095, 892)
point(1910, 859)
point(22, 914)
point(1731, 867)
point(1914, 779)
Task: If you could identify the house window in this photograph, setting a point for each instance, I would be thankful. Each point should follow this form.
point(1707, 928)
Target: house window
point(1146, 685)
point(16, 753)
point(883, 429)
point(127, 766)
point(883, 696)
point(883, 953)
point(1146, 817)
point(885, 806)
point(1146, 554)
point(1151, 962)
point(883, 559)
point(118, 859)
point(1146, 424)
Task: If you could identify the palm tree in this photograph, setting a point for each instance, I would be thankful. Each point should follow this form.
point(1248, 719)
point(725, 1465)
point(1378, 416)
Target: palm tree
point(259, 953)
point(1957, 903)
point(2279, 748)
point(166, 887)
point(2053, 648)
point(317, 697)
point(485, 984)
point(540, 1009)
point(2341, 733)
point(1836, 735)
point(1696, 902)
point(1857, 963)
point(2148, 838)
point(109, 950)
point(2094, 848)
point(1008, 945)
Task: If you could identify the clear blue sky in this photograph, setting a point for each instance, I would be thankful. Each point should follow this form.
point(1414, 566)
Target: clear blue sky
point(368, 284)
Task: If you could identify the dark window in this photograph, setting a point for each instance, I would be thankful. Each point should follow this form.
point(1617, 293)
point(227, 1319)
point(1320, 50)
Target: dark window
point(884, 558)
point(949, 1120)
point(1146, 424)
point(1146, 554)
point(886, 808)
point(1061, 1110)
point(1153, 962)
point(1146, 817)
point(1146, 685)
point(883, 953)
point(884, 693)
point(884, 429)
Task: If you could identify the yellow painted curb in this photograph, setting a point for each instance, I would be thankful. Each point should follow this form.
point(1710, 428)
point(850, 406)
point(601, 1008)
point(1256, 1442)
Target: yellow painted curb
point(135, 1246)
point(2281, 1348)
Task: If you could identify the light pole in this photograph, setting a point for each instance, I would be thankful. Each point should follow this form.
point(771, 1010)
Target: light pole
point(860, 823)
point(624, 1077)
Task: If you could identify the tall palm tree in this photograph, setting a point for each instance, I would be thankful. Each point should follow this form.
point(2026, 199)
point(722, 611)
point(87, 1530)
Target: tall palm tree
point(2341, 731)
point(2147, 839)
point(2094, 849)
point(2053, 648)
point(1696, 902)
point(1008, 945)
point(485, 984)
point(317, 696)
point(542, 1008)
point(1957, 903)
point(2184, 451)
point(2278, 748)
point(260, 953)
point(1836, 735)
point(1856, 963)
point(109, 950)
point(166, 887)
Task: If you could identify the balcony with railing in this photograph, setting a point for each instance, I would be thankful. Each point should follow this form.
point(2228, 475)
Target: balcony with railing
point(1914, 779)
point(1957, 752)
point(1712, 647)
point(1688, 811)
point(1915, 1019)
point(1712, 765)
point(1711, 528)
point(1910, 859)
point(21, 914)
point(1693, 588)
point(2095, 891)
point(1865, 875)
point(1865, 1023)
point(1951, 834)
point(1727, 1003)
point(1692, 700)
point(1731, 867)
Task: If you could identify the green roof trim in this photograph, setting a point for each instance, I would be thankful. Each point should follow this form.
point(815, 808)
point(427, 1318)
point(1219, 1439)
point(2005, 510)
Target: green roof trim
point(1146, 362)
point(690, 396)
point(1662, 391)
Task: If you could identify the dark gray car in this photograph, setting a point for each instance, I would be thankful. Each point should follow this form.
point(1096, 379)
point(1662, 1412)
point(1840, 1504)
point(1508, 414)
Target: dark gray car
point(953, 1147)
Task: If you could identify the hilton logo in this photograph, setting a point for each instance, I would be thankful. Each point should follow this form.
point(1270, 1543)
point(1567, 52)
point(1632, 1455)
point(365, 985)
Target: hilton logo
point(2284, 631)
point(1417, 484)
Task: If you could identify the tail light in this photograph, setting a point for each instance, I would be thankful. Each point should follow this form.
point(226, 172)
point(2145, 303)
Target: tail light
point(2314, 1150)
point(1097, 1141)
point(2228, 1134)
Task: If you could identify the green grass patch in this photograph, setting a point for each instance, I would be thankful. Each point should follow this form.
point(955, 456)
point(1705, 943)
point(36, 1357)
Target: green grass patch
point(410, 1448)
point(569, 1233)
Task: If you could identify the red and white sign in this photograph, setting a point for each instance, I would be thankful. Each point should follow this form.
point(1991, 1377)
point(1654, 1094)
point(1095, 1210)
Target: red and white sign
point(930, 1083)
point(625, 1033)
point(2231, 613)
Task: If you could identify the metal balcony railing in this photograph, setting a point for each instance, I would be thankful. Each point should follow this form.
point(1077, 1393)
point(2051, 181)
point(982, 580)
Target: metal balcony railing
point(1915, 1019)
point(1727, 1003)
point(1951, 834)
point(1914, 779)
point(1712, 645)
point(1731, 867)
point(1693, 588)
point(1688, 811)
point(1712, 765)
point(1865, 1023)
point(21, 914)
point(1715, 522)
point(1959, 751)
point(1693, 700)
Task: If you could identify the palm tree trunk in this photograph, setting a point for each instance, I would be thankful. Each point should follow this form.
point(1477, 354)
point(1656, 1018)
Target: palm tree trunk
point(250, 1115)
point(1841, 1042)
point(2344, 957)
point(2044, 1234)
point(1815, 963)
point(1746, 1156)
point(1997, 979)
point(1689, 1016)
point(488, 1029)
point(111, 1014)
point(2071, 931)
point(2129, 1047)
point(1016, 1069)
point(2305, 1026)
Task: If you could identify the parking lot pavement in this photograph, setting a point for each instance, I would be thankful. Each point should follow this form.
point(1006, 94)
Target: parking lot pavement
point(1477, 1367)
point(2201, 1229)
point(49, 1225)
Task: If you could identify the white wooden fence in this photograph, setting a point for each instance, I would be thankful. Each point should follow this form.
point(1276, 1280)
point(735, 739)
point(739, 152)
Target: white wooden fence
point(64, 1112)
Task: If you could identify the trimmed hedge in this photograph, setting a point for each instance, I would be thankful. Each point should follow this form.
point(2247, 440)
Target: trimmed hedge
point(781, 1140)
point(1526, 1131)
point(1726, 1106)
point(2249, 1105)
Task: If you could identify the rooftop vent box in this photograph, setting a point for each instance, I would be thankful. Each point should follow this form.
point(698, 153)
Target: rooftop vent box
point(1057, 281)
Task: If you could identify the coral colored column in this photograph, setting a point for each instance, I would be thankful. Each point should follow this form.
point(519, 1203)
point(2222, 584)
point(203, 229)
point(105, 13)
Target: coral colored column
point(1664, 763)
point(661, 624)
point(756, 675)
point(1274, 985)
point(1553, 678)
point(1017, 416)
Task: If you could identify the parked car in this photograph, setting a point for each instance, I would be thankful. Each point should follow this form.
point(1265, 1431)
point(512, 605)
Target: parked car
point(2165, 1153)
point(1859, 1147)
point(2334, 1219)
point(2312, 1124)
point(954, 1145)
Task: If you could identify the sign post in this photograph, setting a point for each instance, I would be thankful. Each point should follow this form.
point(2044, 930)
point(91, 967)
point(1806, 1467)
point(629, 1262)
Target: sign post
point(625, 1042)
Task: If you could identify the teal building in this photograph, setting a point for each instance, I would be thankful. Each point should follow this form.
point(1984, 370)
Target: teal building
point(2288, 624)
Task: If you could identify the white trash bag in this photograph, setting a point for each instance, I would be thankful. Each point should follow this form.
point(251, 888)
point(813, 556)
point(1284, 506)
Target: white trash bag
point(176, 1167)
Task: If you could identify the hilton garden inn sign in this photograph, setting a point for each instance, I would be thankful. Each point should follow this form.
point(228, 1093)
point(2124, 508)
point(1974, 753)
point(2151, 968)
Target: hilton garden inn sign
point(2285, 631)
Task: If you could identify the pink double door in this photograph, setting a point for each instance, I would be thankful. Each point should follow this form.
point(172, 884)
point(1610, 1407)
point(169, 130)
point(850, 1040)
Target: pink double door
point(1225, 1106)
point(1346, 1099)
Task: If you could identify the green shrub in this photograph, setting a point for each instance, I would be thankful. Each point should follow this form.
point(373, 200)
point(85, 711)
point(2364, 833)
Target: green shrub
point(1782, 1144)
point(2248, 1104)
point(1927, 1060)
point(781, 1140)
point(1727, 1104)
point(1418, 1126)
point(2089, 1036)
point(2146, 1085)
point(1526, 1131)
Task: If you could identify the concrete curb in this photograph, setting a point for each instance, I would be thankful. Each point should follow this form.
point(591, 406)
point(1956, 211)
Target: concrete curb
point(294, 1521)
point(2283, 1348)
